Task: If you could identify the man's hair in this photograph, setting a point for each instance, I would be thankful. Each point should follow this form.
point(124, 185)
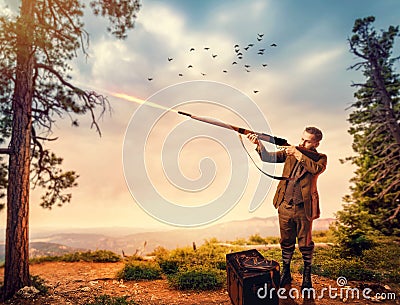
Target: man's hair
point(315, 132)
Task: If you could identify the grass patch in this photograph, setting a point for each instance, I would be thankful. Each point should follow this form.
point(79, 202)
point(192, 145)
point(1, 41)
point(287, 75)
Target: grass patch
point(109, 300)
point(139, 270)
point(198, 279)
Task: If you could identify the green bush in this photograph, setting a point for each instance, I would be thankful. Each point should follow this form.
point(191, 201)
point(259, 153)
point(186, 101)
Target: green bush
point(220, 265)
point(39, 284)
point(211, 255)
point(159, 252)
point(380, 263)
point(109, 300)
point(274, 254)
point(197, 279)
point(98, 256)
point(169, 266)
point(256, 239)
point(239, 242)
point(324, 236)
point(350, 269)
point(133, 271)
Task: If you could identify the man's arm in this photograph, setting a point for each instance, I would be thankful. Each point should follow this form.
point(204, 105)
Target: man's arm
point(314, 167)
point(265, 155)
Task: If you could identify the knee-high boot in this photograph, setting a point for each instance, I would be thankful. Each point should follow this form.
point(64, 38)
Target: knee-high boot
point(286, 277)
point(307, 258)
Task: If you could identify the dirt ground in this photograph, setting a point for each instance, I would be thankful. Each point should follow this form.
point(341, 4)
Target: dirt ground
point(79, 283)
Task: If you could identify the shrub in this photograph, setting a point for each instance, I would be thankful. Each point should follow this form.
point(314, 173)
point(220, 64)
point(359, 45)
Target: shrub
point(324, 236)
point(256, 239)
point(239, 242)
point(371, 266)
point(220, 265)
point(109, 300)
point(98, 256)
point(274, 253)
point(159, 252)
point(211, 255)
point(140, 271)
point(169, 266)
point(197, 279)
point(38, 283)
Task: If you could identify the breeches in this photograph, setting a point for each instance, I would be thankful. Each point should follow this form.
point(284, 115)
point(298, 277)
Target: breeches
point(293, 224)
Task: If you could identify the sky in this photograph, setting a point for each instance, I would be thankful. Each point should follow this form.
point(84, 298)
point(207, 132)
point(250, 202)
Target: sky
point(154, 168)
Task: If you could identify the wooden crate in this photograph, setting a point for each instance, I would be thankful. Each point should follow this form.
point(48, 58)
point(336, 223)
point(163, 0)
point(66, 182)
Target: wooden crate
point(251, 279)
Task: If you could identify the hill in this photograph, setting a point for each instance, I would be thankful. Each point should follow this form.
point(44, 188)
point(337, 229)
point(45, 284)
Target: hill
point(143, 242)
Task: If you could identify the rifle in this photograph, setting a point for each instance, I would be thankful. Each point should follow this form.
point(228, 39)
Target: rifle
point(262, 136)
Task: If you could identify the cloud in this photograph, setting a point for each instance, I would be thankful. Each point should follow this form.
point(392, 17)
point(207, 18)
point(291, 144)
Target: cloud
point(318, 61)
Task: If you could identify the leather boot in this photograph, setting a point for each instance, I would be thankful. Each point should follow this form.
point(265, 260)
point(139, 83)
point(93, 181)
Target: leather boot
point(286, 277)
point(307, 283)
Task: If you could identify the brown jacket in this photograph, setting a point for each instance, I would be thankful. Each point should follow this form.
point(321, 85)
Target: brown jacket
point(308, 175)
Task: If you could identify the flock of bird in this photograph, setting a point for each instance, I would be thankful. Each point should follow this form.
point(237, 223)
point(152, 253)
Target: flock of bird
point(239, 52)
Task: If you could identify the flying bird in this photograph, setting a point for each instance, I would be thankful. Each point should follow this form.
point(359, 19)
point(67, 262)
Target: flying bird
point(255, 91)
point(264, 65)
point(261, 34)
point(259, 38)
point(236, 46)
point(273, 45)
point(180, 74)
point(225, 71)
point(191, 49)
point(190, 66)
point(246, 48)
point(214, 55)
point(247, 66)
point(250, 44)
point(206, 48)
point(170, 58)
point(149, 79)
point(203, 74)
point(234, 63)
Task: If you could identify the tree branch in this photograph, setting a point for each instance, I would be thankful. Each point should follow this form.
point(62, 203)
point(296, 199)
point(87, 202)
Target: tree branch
point(5, 151)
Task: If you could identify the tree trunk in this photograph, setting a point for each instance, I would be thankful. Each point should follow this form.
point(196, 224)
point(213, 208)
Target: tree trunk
point(390, 117)
point(16, 271)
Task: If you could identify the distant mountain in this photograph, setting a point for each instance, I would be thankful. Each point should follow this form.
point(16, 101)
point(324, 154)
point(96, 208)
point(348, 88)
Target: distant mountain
point(145, 242)
point(38, 249)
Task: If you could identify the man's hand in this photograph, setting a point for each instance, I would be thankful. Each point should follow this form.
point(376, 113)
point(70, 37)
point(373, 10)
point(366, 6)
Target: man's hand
point(253, 138)
point(292, 151)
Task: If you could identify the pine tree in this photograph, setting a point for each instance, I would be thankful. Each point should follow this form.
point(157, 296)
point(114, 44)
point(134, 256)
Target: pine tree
point(374, 202)
point(35, 87)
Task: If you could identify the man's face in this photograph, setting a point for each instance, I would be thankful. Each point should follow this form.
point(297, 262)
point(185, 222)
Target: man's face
point(307, 141)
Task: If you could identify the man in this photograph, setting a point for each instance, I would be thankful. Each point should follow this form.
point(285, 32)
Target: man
point(297, 198)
